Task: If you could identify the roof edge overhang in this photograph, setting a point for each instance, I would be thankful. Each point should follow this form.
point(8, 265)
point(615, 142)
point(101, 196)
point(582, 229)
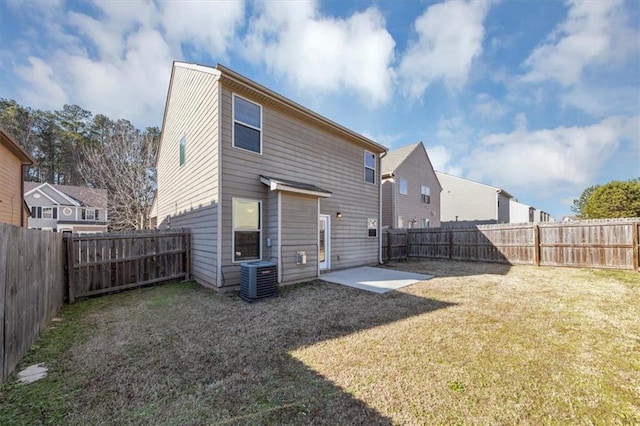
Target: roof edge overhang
point(16, 149)
point(276, 185)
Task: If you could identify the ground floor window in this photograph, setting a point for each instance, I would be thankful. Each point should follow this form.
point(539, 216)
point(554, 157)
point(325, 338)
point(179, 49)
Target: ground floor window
point(247, 229)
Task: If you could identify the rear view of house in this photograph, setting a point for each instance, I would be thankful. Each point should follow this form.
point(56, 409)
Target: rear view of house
point(66, 208)
point(468, 203)
point(13, 160)
point(410, 189)
point(256, 176)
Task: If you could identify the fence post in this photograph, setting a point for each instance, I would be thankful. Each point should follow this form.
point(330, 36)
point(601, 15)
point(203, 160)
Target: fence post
point(536, 245)
point(636, 248)
point(71, 272)
point(389, 245)
point(187, 254)
point(4, 250)
point(450, 233)
point(408, 246)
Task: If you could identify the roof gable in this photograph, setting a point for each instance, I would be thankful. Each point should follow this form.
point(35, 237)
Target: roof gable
point(235, 80)
point(80, 196)
point(396, 158)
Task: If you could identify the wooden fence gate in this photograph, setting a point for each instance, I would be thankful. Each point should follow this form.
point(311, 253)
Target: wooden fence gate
point(104, 263)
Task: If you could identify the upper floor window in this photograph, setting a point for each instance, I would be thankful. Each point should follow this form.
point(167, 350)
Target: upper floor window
point(89, 214)
point(369, 167)
point(425, 194)
point(183, 149)
point(247, 125)
point(44, 212)
point(404, 187)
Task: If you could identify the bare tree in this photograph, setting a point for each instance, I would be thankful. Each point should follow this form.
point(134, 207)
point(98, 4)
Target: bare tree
point(122, 161)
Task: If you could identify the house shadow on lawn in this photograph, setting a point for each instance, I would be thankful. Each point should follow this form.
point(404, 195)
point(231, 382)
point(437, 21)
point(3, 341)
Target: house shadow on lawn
point(184, 354)
point(290, 391)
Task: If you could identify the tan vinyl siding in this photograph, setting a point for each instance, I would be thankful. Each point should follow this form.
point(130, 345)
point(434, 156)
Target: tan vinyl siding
point(471, 202)
point(417, 171)
point(297, 150)
point(189, 193)
point(299, 233)
point(10, 187)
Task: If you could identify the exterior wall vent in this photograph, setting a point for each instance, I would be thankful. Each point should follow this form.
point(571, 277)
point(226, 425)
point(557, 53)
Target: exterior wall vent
point(258, 280)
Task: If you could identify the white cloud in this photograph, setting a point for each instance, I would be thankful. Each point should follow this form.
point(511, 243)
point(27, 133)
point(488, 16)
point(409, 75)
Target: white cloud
point(209, 26)
point(442, 160)
point(41, 90)
point(488, 107)
point(594, 33)
point(601, 101)
point(449, 38)
point(324, 54)
point(118, 62)
point(547, 159)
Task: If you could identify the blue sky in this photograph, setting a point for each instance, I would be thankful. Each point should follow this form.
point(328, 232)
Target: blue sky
point(541, 98)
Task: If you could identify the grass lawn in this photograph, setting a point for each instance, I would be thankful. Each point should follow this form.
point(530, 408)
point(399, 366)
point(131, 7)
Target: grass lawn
point(478, 344)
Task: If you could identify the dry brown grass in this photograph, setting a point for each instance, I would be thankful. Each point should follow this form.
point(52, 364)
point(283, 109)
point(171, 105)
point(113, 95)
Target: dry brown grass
point(478, 344)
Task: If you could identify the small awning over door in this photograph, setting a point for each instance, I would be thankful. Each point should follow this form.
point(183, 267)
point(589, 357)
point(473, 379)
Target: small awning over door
point(276, 184)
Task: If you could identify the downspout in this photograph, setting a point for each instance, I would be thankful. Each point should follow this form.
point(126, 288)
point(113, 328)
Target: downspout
point(380, 260)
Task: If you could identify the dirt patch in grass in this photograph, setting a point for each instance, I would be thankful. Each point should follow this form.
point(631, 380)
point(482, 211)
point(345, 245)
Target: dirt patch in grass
point(477, 344)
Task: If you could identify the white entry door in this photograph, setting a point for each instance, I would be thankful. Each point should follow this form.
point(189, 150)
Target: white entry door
point(324, 237)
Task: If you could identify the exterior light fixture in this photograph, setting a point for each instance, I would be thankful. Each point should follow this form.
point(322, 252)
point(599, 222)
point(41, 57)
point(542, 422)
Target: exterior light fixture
point(339, 215)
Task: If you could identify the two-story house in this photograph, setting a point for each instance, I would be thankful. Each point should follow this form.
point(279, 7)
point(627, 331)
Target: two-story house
point(13, 160)
point(410, 189)
point(467, 203)
point(66, 208)
point(256, 176)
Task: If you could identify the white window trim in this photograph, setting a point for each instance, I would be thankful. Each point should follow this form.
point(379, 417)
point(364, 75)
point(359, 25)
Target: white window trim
point(233, 123)
point(375, 164)
point(50, 209)
point(400, 180)
point(233, 232)
point(428, 194)
point(86, 215)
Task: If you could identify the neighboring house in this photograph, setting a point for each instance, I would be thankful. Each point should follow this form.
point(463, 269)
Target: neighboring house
point(410, 189)
point(467, 203)
point(520, 212)
point(541, 216)
point(256, 176)
point(13, 160)
point(65, 208)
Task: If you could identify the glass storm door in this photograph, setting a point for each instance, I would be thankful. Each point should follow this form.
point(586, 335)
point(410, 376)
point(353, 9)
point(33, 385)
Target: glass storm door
point(324, 228)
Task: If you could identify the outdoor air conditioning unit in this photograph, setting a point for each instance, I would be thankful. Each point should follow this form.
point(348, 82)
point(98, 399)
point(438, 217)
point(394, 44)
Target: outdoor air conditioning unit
point(258, 280)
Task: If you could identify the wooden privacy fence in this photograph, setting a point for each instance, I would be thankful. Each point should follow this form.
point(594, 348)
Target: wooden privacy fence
point(590, 244)
point(32, 287)
point(104, 263)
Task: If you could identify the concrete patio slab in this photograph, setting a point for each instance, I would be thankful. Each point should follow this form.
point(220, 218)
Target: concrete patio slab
point(377, 280)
